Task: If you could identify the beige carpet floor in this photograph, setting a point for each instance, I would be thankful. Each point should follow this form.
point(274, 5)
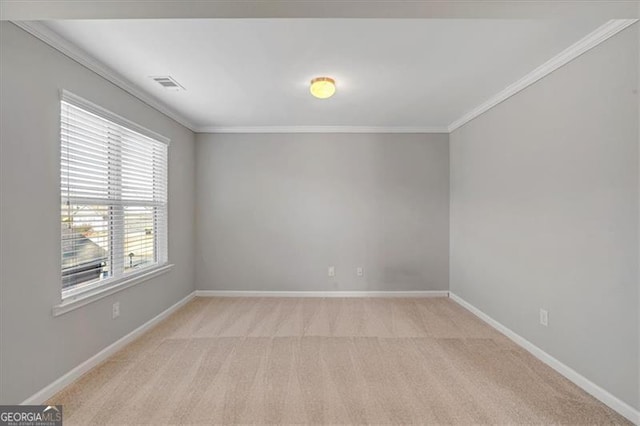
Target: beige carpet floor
point(326, 361)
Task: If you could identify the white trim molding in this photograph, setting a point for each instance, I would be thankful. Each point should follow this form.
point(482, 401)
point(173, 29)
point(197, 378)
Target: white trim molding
point(583, 45)
point(44, 33)
point(233, 293)
point(599, 393)
point(73, 375)
point(50, 37)
point(591, 40)
point(79, 300)
point(321, 129)
point(604, 32)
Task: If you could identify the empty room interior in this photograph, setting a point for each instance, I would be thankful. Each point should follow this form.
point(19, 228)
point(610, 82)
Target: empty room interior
point(319, 212)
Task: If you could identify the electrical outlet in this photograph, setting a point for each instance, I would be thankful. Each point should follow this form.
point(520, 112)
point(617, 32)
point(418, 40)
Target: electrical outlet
point(332, 271)
point(360, 271)
point(115, 311)
point(544, 317)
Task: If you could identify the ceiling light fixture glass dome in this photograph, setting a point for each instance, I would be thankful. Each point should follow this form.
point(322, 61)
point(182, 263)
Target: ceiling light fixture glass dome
point(323, 87)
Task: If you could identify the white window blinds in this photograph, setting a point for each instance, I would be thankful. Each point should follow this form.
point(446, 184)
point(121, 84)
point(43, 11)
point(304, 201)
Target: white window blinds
point(114, 197)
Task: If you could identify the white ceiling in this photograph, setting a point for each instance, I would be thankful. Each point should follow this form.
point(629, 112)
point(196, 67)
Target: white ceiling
point(391, 73)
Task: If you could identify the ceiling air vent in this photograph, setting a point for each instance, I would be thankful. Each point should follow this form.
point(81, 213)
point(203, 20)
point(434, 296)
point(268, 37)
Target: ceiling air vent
point(167, 83)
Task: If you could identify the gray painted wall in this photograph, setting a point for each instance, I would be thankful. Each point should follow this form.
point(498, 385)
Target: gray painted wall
point(36, 347)
point(544, 210)
point(275, 210)
point(544, 213)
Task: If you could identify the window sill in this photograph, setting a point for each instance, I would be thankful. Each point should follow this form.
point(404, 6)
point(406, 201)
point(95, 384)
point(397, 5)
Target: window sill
point(80, 300)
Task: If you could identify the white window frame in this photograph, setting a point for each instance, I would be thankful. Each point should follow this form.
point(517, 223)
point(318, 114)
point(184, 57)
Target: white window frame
point(77, 297)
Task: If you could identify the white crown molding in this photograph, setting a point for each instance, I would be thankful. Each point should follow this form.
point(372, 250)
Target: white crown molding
point(585, 44)
point(250, 293)
point(320, 129)
point(587, 385)
point(44, 33)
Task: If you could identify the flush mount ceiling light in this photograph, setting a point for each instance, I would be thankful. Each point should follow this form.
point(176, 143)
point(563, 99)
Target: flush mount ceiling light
point(323, 87)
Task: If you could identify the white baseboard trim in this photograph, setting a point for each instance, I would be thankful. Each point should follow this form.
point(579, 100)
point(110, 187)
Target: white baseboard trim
point(601, 394)
point(73, 375)
point(231, 293)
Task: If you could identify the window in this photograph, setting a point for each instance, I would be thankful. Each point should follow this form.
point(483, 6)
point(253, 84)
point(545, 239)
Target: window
point(113, 197)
